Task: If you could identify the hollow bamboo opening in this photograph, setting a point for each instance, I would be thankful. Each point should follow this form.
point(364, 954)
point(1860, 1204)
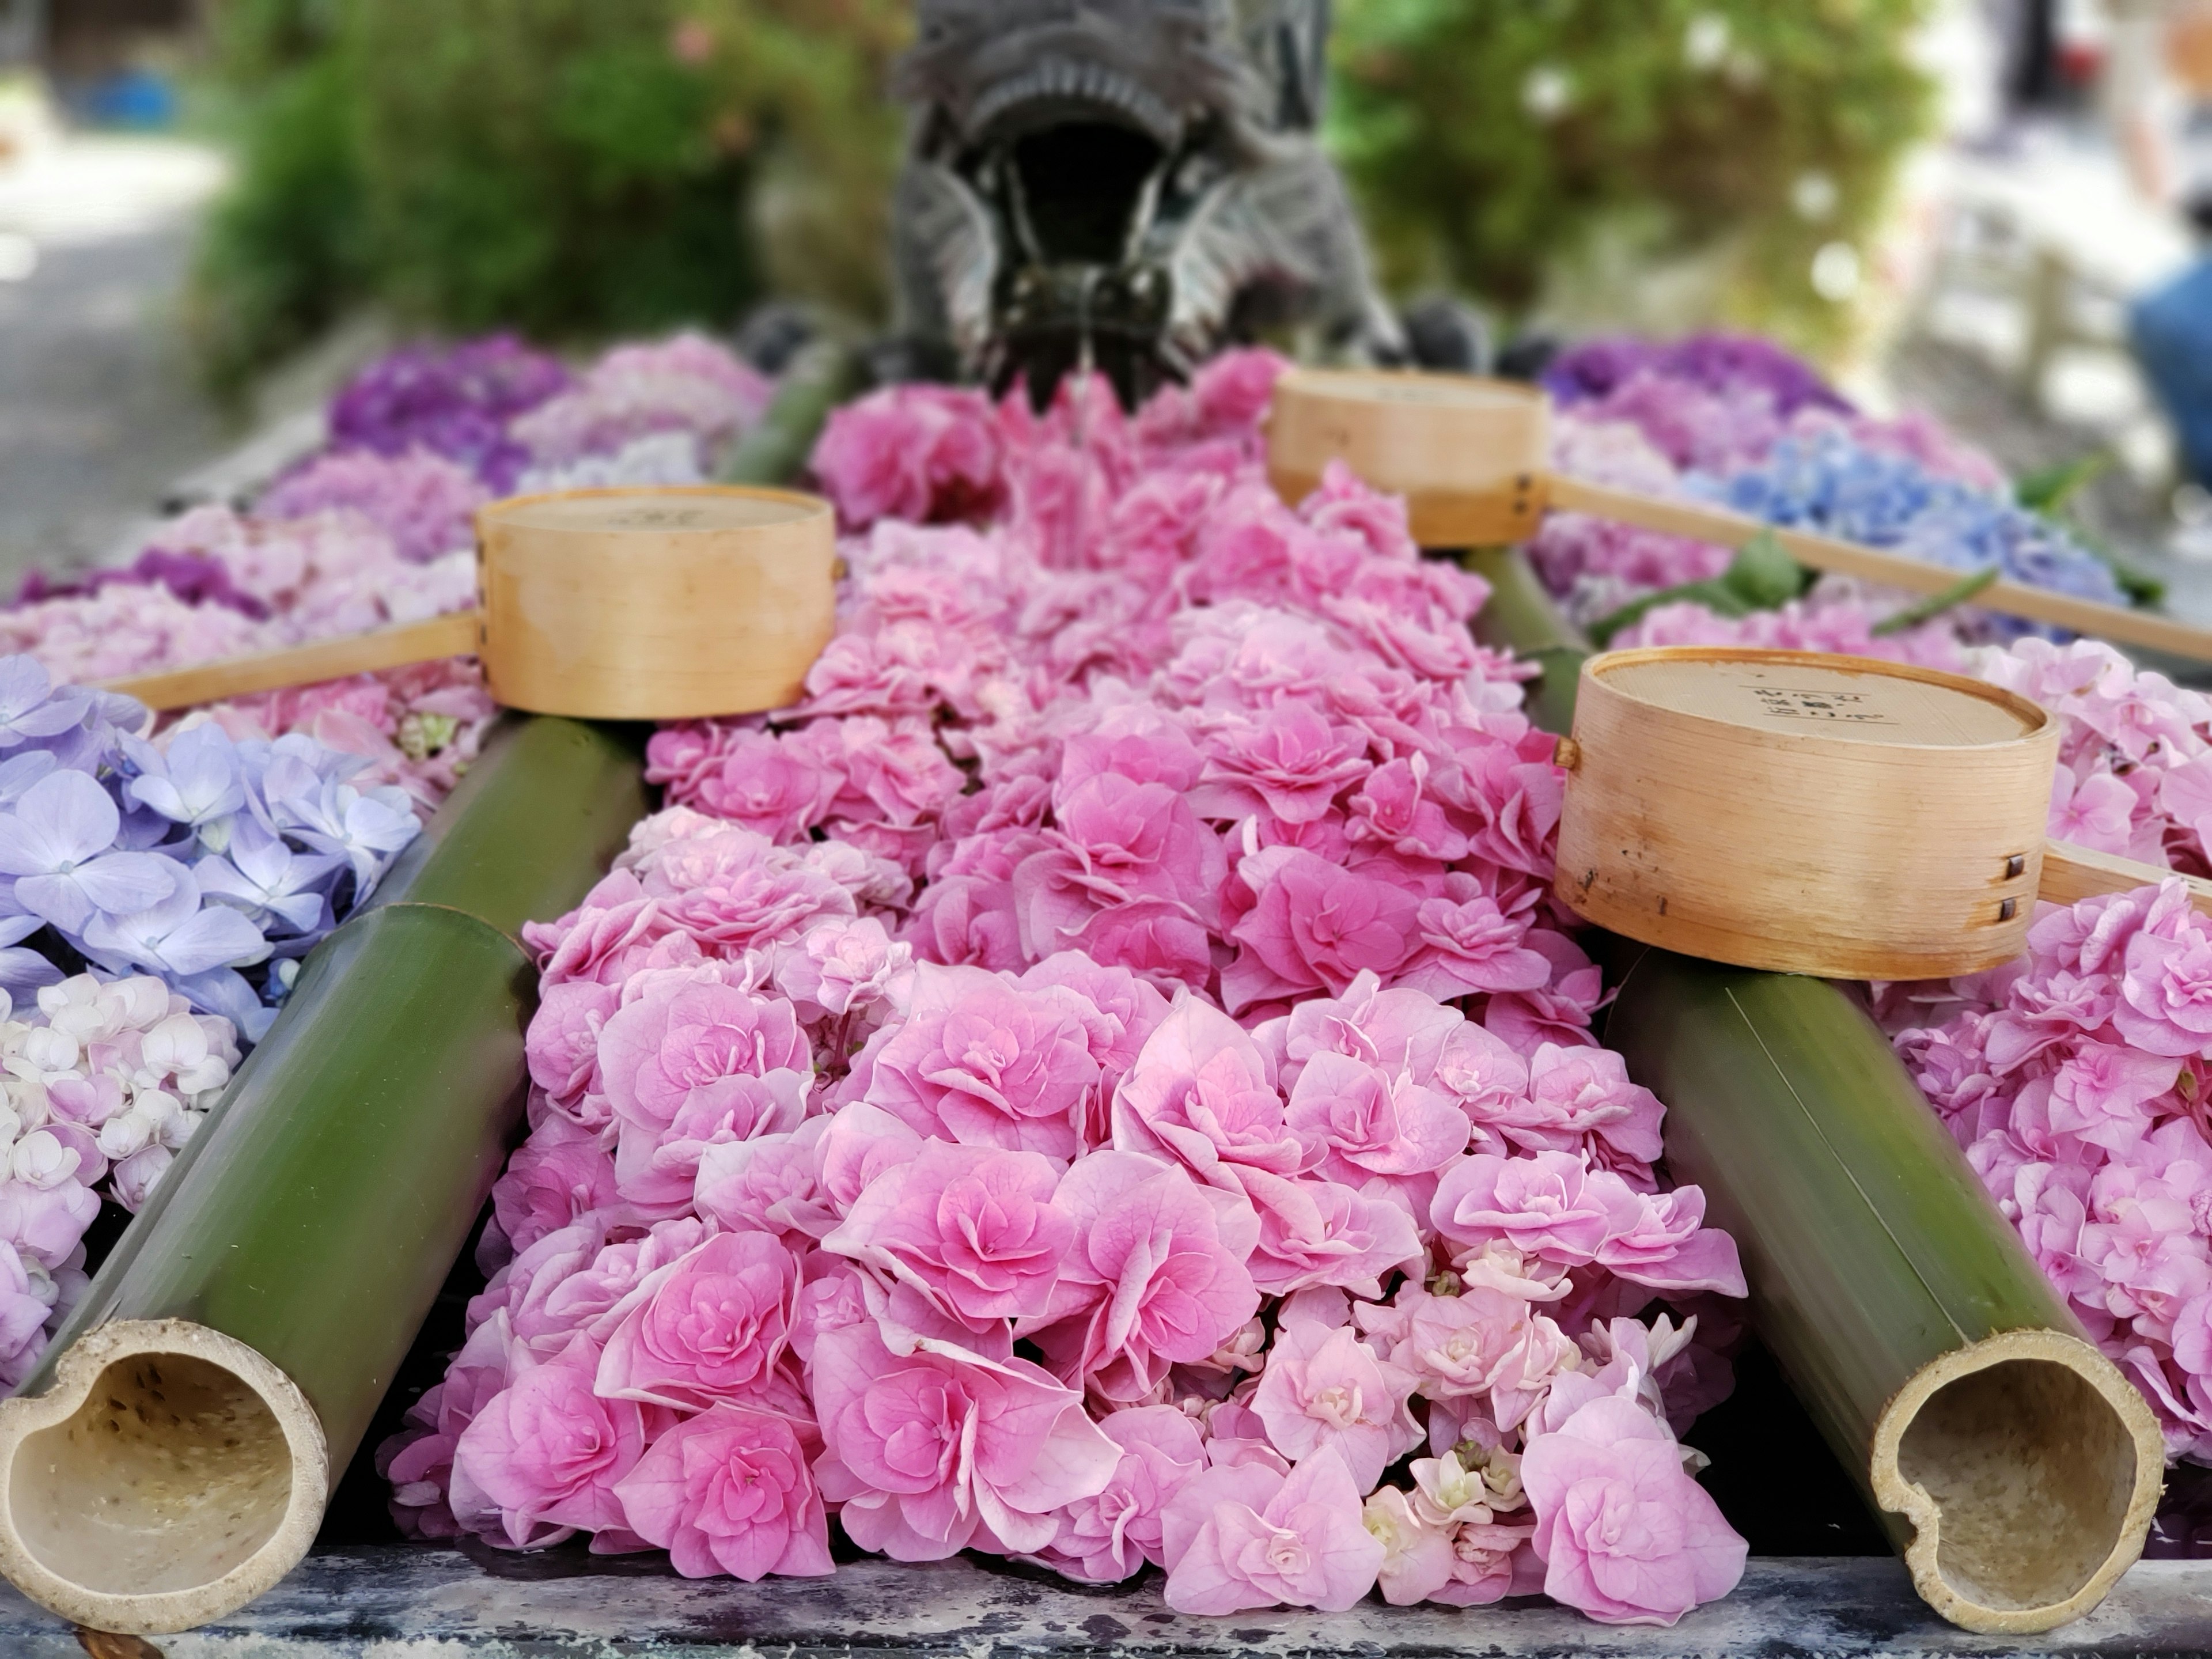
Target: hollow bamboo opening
point(2030, 1469)
point(169, 1476)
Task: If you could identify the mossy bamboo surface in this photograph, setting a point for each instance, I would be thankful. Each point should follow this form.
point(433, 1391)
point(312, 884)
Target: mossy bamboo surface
point(822, 376)
point(1520, 617)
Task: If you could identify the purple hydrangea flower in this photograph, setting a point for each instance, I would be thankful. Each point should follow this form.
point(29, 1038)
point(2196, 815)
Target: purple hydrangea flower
point(457, 403)
point(1716, 363)
point(58, 844)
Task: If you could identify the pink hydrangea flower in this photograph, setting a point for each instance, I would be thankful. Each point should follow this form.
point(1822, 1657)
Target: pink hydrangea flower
point(2165, 995)
point(1243, 1536)
point(1371, 1124)
point(1129, 876)
point(710, 1326)
point(1481, 1342)
point(1315, 927)
point(688, 1045)
point(560, 1173)
point(1623, 1533)
point(1156, 1274)
point(548, 1452)
point(1201, 1094)
point(1547, 1204)
point(984, 1062)
point(1324, 1389)
point(730, 1490)
point(973, 1229)
point(916, 452)
point(939, 1448)
point(1106, 1537)
point(1316, 1232)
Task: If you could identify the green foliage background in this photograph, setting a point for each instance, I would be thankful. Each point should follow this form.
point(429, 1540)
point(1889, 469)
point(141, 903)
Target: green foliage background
point(573, 169)
point(581, 168)
point(1661, 146)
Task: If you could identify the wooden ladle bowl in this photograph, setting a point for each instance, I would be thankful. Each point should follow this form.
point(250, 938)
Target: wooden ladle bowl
point(652, 603)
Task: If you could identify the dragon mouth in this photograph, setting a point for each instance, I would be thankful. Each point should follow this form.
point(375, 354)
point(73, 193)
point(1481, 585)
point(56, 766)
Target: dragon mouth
point(1060, 90)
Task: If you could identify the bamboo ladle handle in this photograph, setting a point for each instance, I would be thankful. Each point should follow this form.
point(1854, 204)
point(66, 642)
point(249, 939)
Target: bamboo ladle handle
point(1716, 524)
point(2071, 872)
point(458, 635)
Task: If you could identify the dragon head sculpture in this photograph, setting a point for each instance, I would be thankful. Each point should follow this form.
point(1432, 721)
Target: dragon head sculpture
point(1124, 185)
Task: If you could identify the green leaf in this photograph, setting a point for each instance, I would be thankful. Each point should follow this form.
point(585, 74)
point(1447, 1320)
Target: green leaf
point(1935, 603)
point(1764, 576)
point(1717, 596)
point(2049, 490)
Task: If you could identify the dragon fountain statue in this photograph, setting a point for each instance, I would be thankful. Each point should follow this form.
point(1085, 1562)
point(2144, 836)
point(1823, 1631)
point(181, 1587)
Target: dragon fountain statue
point(1125, 186)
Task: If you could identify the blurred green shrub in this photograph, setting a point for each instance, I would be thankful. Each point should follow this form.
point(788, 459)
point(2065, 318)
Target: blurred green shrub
point(583, 167)
point(1522, 150)
point(574, 168)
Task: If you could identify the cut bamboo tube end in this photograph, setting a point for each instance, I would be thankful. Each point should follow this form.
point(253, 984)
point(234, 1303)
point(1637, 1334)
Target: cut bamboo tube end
point(169, 1476)
point(2030, 1469)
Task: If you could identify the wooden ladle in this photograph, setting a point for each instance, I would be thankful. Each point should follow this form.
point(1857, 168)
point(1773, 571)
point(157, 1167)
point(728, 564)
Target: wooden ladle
point(1470, 457)
point(651, 603)
point(1814, 814)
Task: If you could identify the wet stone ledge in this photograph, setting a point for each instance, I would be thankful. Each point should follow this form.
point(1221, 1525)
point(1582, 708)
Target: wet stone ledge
point(415, 1603)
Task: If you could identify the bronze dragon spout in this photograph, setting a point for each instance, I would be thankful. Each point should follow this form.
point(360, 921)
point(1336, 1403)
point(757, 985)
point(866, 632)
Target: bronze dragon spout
point(1123, 184)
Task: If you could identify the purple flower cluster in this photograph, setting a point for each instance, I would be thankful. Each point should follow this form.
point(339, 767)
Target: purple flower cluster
point(1739, 422)
point(687, 386)
point(191, 857)
point(1722, 365)
point(424, 502)
point(460, 401)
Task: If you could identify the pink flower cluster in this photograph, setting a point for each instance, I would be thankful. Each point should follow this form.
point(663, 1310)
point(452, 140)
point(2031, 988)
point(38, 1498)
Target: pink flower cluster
point(2076, 1080)
point(1055, 1267)
point(1015, 1099)
point(687, 384)
point(1843, 625)
point(2076, 1077)
point(424, 502)
point(930, 454)
point(2135, 759)
point(100, 1085)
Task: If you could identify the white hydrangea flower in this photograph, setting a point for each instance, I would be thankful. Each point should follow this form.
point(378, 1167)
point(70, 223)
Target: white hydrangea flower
point(127, 1133)
point(40, 1160)
point(51, 1054)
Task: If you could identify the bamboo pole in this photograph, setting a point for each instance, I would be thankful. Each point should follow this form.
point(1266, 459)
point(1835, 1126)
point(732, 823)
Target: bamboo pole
point(2014, 1465)
point(171, 1458)
point(2015, 1468)
point(1520, 617)
point(822, 376)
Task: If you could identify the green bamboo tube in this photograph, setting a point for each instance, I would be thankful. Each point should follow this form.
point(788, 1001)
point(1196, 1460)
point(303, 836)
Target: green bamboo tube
point(171, 1458)
point(1520, 616)
point(822, 376)
point(2015, 1468)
